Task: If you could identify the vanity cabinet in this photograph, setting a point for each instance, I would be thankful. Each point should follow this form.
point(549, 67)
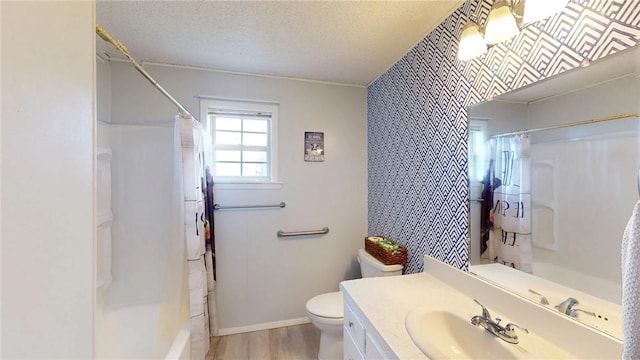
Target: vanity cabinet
point(376, 312)
point(361, 342)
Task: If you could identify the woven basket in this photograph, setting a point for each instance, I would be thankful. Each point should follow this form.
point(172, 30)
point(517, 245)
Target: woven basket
point(385, 256)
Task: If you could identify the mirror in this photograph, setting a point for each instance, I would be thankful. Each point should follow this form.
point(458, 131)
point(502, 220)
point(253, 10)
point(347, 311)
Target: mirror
point(562, 193)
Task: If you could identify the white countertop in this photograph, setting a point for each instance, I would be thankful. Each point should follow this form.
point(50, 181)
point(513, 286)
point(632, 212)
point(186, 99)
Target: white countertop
point(385, 301)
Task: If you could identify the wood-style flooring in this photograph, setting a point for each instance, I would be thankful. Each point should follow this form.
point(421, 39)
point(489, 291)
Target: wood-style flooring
point(298, 342)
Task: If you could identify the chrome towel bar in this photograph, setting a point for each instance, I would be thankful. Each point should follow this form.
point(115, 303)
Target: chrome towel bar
point(324, 230)
point(218, 207)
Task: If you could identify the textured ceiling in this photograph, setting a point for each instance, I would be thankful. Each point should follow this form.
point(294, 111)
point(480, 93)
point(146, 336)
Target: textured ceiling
point(350, 42)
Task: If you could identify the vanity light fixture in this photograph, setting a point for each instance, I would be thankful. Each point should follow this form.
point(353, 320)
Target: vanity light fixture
point(506, 19)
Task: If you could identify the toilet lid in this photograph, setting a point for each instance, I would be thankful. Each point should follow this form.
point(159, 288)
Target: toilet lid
point(327, 305)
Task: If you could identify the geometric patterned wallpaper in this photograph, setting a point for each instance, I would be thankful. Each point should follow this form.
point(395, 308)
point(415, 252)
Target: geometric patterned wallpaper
point(417, 117)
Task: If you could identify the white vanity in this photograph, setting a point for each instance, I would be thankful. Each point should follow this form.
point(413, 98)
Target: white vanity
point(436, 306)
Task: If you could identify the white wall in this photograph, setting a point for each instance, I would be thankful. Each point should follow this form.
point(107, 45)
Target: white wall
point(613, 97)
point(502, 116)
point(263, 278)
point(48, 228)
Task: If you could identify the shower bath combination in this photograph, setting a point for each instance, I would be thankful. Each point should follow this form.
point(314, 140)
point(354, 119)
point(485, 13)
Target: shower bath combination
point(155, 284)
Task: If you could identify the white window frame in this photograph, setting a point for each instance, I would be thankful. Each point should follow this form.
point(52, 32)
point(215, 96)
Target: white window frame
point(480, 160)
point(208, 105)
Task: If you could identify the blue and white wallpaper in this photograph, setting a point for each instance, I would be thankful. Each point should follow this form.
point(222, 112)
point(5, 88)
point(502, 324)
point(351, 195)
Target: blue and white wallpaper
point(417, 119)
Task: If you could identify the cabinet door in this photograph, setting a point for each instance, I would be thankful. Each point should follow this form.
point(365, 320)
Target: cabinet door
point(353, 326)
point(351, 351)
point(372, 350)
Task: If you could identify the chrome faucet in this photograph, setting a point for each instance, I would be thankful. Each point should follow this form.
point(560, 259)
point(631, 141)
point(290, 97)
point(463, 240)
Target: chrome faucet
point(506, 333)
point(567, 307)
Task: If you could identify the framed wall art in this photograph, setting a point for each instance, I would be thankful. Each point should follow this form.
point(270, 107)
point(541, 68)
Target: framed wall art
point(313, 146)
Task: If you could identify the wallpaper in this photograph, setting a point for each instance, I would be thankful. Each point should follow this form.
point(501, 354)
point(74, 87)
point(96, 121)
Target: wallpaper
point(417, 125)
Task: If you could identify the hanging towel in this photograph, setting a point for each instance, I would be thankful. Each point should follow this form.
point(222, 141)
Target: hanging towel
point(631, 287)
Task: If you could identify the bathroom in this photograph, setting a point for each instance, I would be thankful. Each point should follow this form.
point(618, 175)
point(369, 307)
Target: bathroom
point(423, 205)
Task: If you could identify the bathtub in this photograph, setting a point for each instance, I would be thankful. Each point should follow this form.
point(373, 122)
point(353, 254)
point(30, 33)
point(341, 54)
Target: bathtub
point(124, 334)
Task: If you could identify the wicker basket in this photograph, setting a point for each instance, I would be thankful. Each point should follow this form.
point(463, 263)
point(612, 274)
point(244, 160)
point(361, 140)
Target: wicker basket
point(385, 256)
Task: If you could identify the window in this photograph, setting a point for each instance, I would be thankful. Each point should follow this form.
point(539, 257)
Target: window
point(477, 140)
point(243, 138)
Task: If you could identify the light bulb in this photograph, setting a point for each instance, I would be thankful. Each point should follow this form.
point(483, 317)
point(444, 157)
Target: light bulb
point(472, 42)
point(501, 24)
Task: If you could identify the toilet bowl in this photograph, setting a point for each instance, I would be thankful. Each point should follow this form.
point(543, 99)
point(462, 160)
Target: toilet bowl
point(326, 311)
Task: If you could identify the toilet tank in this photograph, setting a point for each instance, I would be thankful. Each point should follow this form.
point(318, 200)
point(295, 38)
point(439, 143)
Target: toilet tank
point(372, 267)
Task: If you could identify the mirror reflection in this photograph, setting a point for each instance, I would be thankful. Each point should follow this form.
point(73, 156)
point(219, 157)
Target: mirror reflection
point(553, 176)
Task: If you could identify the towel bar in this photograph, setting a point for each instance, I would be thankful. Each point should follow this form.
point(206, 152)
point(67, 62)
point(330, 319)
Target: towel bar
point(218, 207)
point(322, 231)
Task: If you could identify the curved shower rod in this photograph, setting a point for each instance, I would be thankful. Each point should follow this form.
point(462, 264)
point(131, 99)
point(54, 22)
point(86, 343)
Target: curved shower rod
point(123, 49)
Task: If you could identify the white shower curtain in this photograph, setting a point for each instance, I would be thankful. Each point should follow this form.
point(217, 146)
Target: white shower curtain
point(202, 297)
point(508, 182)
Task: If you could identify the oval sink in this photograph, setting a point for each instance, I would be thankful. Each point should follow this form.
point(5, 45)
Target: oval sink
point(441, 334)
point(444, 335)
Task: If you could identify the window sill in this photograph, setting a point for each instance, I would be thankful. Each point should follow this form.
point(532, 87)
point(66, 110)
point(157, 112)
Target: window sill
point(247, 186)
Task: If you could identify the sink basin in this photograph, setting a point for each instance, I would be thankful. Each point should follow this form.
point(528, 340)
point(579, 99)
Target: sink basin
point(441, 334)
point(444, 335)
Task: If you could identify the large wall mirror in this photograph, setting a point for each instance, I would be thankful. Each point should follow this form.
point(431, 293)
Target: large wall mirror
point(553, 170)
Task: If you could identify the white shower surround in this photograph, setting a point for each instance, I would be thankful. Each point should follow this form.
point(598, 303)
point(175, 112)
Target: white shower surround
point(142, 314)
point(596, 170)
point(595, 190)
point(142, 165)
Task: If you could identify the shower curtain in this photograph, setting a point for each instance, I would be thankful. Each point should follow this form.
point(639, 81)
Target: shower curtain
point(506, 212)
point(198, 222)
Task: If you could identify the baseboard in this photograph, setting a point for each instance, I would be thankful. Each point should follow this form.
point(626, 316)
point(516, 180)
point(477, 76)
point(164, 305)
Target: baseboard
point(263, 326)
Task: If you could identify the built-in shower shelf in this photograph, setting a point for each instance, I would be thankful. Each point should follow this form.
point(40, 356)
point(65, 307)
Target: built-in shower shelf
point(104, 218)
point(104, 282)
point(103, 152)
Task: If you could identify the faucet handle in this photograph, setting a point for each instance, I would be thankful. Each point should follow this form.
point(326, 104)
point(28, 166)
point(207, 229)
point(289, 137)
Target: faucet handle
point(573, 311)
point(543, 299)
point(485, 312)
point(511, 331)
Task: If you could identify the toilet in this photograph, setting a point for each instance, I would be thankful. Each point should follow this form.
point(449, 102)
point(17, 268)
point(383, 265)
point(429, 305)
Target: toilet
point(326, 310)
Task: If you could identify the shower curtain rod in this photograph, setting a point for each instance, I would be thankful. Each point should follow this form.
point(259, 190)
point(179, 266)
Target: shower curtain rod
point(584, 122)
point(118, 45)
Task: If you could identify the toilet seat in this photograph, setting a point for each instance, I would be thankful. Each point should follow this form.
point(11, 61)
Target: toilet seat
point(329, 305)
